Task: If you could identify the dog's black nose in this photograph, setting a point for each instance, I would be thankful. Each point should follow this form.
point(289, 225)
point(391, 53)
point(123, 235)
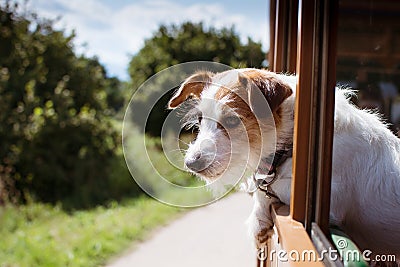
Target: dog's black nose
point(198, 163)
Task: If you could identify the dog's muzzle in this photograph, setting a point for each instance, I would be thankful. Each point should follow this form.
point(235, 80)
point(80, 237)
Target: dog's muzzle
point(203, 157)
point(198, 162)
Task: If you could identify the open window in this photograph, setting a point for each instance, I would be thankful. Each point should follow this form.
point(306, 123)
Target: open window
point(349, 42)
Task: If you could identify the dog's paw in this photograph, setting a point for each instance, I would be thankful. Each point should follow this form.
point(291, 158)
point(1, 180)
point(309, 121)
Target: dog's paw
point(260, 230)
point(261, 237)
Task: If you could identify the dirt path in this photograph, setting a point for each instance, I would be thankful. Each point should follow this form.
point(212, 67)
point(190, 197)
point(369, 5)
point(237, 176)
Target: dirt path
point(211, 236)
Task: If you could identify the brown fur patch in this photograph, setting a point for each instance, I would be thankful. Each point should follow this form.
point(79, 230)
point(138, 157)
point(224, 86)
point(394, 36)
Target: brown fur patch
point(274, 89)
point(238, 97)
point(278, 117)
point(191, 87)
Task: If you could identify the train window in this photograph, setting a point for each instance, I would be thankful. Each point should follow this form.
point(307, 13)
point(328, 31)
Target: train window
point(368, 55)
point(303, 38)
point(353, 43)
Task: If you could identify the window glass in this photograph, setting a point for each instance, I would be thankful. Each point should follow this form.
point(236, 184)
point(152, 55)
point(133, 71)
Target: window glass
point(369, 54)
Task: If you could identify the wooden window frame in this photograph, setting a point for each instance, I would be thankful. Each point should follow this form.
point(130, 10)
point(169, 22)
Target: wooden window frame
point(314, 113)
point(283, 38)
point(303, 41)
point(313, 52)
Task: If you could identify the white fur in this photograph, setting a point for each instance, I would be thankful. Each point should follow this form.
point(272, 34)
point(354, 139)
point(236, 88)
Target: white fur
point(365, 197)
point(214, 145)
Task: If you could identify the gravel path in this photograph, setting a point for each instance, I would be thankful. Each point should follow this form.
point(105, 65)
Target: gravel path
point(210, 236)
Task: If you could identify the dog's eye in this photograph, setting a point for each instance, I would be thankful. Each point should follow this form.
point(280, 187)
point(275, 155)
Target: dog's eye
point(231, 121)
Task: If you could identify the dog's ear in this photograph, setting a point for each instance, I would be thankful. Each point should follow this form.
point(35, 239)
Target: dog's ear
point(274, 90)
point(191, 87)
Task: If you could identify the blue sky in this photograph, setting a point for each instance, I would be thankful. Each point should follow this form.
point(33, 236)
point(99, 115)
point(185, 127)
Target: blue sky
point(114, 30)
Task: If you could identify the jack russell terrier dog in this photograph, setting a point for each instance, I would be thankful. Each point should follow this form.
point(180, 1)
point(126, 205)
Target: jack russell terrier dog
point(236, 137)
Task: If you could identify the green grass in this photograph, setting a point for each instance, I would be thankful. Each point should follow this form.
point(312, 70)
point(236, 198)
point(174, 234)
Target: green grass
point(43, 235)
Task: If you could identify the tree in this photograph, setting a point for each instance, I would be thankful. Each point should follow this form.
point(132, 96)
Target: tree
point(189, 42)
point(57, 140)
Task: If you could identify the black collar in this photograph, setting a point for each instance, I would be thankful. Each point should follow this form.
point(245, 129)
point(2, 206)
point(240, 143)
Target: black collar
point(265, 175)
point(269, 164)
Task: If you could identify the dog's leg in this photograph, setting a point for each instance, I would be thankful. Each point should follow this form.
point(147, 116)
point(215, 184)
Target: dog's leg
point(260, 220)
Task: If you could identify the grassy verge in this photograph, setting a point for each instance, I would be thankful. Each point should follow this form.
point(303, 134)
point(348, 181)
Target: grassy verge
point(43, 235)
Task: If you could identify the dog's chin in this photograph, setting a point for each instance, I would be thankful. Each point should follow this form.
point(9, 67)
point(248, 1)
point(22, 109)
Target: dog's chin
point(210, 175)
point(220, 180)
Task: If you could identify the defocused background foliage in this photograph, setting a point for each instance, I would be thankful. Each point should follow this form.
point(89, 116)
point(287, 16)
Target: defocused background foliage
point(183, 43)
point(60, 112)
point(189, 42)
point(55, 116)
point(61, 163)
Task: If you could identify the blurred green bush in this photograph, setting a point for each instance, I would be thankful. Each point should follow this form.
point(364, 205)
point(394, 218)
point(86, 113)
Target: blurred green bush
point(189, 41)
point(60, 113)
point(58, 142)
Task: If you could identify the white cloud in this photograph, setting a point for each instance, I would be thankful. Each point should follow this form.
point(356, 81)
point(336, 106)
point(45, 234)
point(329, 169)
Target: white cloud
point(114, 34)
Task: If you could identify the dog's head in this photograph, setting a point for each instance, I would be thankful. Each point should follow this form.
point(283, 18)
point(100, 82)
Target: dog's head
point(236, 112)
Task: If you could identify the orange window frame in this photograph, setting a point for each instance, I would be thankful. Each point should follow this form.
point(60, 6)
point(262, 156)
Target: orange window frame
point(303, 41)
